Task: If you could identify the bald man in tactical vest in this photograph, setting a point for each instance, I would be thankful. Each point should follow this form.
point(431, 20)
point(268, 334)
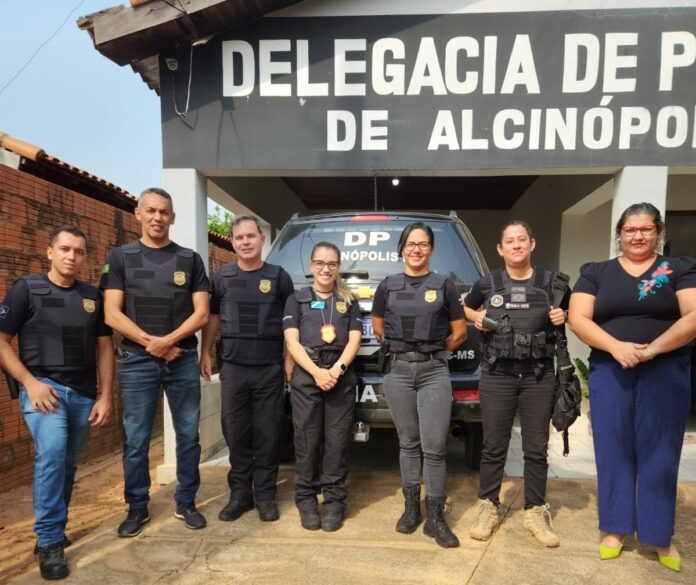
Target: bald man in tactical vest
point(63, 344)
point(247, 299)
point(156, 296)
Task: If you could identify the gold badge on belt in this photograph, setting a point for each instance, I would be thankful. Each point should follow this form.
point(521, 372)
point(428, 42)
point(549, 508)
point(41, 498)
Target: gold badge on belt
point(430, 296)
point(265, 285)
point(180, 278)
point(89, 305)
point(341, 307)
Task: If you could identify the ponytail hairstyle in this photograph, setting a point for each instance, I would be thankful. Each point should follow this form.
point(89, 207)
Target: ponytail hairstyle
point(340, 288)
point(519, 222)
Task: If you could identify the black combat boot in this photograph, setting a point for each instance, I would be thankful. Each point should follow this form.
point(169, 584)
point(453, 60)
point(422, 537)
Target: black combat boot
point(436, 525)
point(411, 517)
point(52, 562)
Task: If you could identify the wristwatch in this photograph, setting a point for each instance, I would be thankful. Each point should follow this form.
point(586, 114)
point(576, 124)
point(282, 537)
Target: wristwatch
point(342, 366)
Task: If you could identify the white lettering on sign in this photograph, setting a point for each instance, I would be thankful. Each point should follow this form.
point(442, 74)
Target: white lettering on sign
point(463, 354)
point(368, 394)
point(359, 238)
point(606, 63)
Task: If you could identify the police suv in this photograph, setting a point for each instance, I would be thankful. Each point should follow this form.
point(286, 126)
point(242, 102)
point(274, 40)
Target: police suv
point(368, 244)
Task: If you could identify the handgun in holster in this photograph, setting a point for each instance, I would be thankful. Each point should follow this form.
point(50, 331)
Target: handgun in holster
point(383, 357)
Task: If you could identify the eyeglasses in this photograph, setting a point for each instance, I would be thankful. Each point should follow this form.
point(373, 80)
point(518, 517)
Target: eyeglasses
point(320, 265)
point(645, 231)
point(422, 246)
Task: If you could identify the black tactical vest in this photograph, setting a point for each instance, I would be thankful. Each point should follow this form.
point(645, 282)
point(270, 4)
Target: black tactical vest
point(522, 312)
point(250, 302)
point(62, 333)
point(416, 316)
point(311, 321)
point(158, 297)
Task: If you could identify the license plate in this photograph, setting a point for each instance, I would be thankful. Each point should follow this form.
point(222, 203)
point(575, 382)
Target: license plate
point(367, 327)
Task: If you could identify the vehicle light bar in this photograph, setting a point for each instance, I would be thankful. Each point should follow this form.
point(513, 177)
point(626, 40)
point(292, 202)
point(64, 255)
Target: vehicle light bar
point(466, 395)
point(369, 218)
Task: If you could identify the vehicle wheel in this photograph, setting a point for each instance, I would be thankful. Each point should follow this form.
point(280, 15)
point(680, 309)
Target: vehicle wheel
point(287, 441)
point(473, 443)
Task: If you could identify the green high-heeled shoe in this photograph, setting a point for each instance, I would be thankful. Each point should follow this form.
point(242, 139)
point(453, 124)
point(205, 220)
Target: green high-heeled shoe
point(672, 563)
point(607, 553)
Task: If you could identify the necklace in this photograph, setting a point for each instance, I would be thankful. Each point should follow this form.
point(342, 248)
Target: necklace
point(328, 330)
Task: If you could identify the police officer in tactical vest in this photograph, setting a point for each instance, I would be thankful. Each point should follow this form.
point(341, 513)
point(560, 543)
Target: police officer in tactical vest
point(513, 310)
point(322, 331)
point(63, 344)
point(247, 300)
point(156, 296)
point(417, 313)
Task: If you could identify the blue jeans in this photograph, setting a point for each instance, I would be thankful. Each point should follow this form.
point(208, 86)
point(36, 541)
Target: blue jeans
point(140, 379)
point(58, 438)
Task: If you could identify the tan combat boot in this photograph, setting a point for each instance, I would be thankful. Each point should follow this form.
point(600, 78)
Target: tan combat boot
point(537, 521)
point(487, 521)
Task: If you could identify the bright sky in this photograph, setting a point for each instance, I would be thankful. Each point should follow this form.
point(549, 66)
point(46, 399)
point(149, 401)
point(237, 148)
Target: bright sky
point(73, 102)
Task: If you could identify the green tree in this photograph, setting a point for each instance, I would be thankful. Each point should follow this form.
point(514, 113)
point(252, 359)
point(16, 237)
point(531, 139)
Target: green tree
point(220, 221)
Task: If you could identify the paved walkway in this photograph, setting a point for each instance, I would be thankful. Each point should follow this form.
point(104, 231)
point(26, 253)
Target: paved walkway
point(367, 550)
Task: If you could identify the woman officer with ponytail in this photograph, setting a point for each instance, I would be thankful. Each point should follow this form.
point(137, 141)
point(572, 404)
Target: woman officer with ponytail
point(418, 314)
point(322, 333)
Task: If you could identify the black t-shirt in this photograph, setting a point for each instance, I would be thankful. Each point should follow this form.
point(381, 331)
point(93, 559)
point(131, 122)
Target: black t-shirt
point(483, 288)
point(18, 308)
point(251, 351)
point(114, 277)
point(635, 308)
point(291, 316)
point(451, 304)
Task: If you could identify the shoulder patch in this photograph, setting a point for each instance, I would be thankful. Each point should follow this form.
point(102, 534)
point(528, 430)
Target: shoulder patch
point(4, 310)
point(105, 270)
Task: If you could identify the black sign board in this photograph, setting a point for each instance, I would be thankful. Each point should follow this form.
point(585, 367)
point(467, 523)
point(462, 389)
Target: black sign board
point(444, 92)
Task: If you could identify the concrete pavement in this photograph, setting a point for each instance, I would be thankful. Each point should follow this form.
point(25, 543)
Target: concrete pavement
point(367, 549)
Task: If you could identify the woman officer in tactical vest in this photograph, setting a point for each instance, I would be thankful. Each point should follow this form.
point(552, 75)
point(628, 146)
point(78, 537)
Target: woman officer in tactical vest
point(513, 309)
point(417, 314)
point(322, 328)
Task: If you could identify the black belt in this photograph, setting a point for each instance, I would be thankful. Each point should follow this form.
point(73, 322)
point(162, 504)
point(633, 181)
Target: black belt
point(419, 356)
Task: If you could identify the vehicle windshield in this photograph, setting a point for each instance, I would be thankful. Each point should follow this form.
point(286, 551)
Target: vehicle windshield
point(369, 249)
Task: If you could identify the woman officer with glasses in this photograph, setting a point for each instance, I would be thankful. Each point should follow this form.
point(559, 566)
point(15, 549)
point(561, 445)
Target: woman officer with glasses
point(322, 330)
point(638, 314)
point(417, 313)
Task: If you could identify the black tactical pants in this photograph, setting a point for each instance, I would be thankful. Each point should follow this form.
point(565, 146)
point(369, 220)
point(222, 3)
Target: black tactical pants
point(502, 396)
point(252, 414)
point(323, 424)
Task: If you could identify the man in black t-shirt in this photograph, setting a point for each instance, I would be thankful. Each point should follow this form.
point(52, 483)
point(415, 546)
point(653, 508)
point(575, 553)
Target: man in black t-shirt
point(247, 299)
point(156, 297)
point(63, 341)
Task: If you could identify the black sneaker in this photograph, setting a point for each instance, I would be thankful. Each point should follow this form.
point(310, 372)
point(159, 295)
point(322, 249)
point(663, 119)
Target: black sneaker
point(268, 511)
point(52, 562)
point(66, 544)
point(133, 523)
point(331, 521)
point(310, 520)
point(192, 517)
point(234, 509)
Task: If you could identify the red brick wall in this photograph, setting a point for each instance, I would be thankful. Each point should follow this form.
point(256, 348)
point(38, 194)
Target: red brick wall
point(29, 209)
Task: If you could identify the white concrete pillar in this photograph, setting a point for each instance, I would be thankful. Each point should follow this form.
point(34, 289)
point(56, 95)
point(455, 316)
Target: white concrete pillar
point(635, 185)
point(189, 196)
